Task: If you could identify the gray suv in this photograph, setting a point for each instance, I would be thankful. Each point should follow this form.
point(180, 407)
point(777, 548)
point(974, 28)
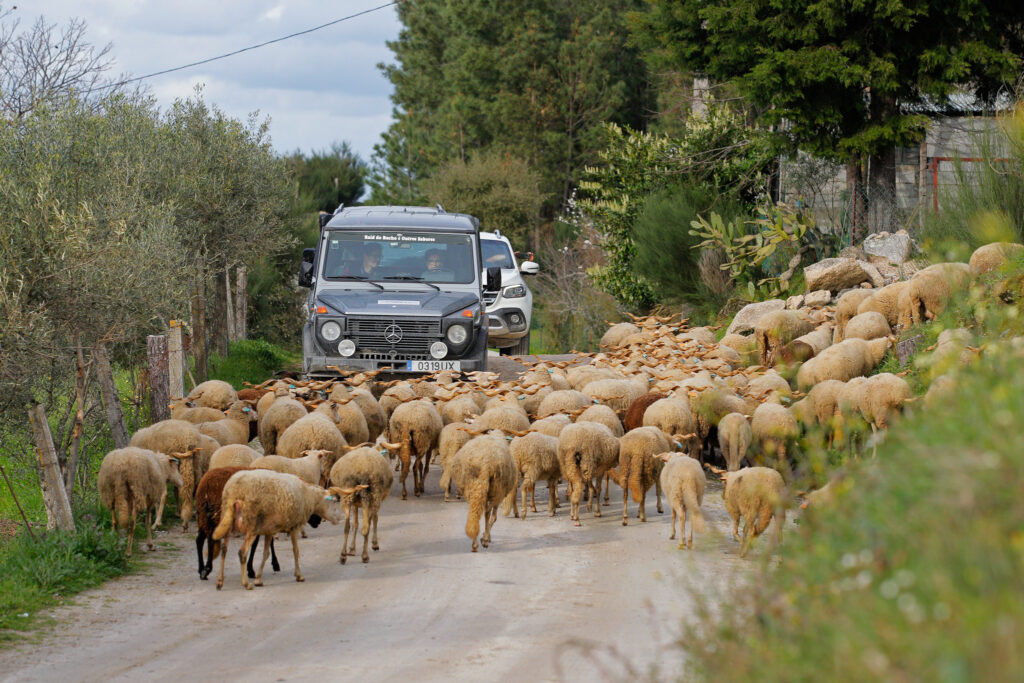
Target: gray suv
point(395, 288)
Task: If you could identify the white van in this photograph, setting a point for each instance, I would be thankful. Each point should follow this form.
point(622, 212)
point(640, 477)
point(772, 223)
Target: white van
point(510, 308)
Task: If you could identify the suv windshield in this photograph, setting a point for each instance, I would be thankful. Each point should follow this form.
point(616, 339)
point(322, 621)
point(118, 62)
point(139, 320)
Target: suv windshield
point(495, 253)
point(399, 255)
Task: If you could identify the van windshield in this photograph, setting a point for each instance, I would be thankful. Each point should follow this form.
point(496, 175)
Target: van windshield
point(379, 255)
point(496, 253)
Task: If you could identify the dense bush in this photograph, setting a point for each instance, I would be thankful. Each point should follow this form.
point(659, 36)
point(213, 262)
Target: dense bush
point(253, 361)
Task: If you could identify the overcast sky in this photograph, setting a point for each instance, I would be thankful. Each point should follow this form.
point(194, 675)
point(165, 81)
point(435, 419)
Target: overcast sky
point(316, 88)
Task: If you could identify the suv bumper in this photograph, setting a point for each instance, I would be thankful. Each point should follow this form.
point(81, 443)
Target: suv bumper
point(505, 326)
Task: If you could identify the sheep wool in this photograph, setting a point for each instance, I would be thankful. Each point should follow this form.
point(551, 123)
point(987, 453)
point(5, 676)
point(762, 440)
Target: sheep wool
point(994, 256)
point(683, 481)
point(734, 438)
point(586, 450)
point(233, 455)
point(536, 458)
point(755, 495)
point(639, 468)
point(364, 477)
point(214, 394)
point(132, 480)
point(416, 426)
point(486, 473)
point(168, 437)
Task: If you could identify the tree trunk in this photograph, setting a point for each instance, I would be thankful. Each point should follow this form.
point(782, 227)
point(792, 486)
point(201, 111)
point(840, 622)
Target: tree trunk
point(882, 200)
point(229, 307)
point(55, 497)
point(199, 324)
point(76, 433)
point(218, 316)
point(156, 354)
point(111, 399)
point(241, 303)
point(855, 190)
point(175, 361)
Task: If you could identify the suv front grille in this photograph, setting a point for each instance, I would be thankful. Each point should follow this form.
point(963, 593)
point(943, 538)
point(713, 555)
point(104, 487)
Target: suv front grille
point(375, 327)
point(376, 338)
point(490, 298)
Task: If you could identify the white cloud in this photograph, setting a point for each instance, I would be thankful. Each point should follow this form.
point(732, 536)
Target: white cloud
point(273, 14)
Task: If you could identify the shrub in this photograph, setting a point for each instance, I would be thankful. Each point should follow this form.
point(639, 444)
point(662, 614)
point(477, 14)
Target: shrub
point(251, 360)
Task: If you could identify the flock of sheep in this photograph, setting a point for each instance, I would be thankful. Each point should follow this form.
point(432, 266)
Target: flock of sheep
point(660, 403)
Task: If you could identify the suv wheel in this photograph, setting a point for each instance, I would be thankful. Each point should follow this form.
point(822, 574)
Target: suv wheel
point(520, 348)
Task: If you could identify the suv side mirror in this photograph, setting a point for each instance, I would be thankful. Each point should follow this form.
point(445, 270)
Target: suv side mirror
point(529, 268)
point(306, 268)
point(493, 282)
point(324, 218)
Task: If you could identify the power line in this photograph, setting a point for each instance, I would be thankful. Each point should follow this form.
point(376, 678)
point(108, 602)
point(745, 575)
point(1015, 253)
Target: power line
point(244, 49)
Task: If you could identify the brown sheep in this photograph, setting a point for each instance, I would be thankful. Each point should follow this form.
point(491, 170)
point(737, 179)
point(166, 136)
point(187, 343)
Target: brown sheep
point(635, 413)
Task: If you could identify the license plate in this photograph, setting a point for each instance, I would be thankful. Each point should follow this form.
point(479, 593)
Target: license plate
point(433, 365)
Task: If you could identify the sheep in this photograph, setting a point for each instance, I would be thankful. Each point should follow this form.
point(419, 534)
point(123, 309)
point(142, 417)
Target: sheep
point(416, 426)
point(674, 418)
point(883, 397)
point(552, 425)
point(824, 397)
point(394, 396)
point(505, 418)
point(682, 479)
point(884, 301)
point(459, 409)
point(183, 409)
point(941, 387)
point(744, 345)
point(565, 401)
point(214, 393)
point(603, 414)
point(536, 458)
point(208, 496)
point(993, 256)
point(952, 348)
point(348, 418)
point(205, 450)
point(769, 386)
point(509, 401)
point(848, 400)
point(754, 494)
point(778, 328)
point(134, 479)
point(617, 334)
point(928, 292)
point(365, 478)
point(846, 309)
point(582, 375)
point(734, 438)
point(265, 503)
point(315, 431)
point(635, 413)
point(279, 416)
point(617, 394)
point(586, 450)
point(868, 325)
point(174, 436)
point(843, 361)
point(309, 468)
point(486, 473)
point(233, 455)
point(639, 468)
point(453, 437)
point(773, 427)
point(376, 419)
point(806, 346)
point(234, 428)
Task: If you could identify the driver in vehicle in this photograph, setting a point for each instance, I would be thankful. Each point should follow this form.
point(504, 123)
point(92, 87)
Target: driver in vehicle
point(436, 272)
point(368, 266)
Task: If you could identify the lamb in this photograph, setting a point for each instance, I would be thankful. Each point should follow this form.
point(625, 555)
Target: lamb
point(846, 309)
point(734, 437)
point(773, 428)
point(673, 417)
point(565, 401)
point(309, 468)
point(265, 503)
point(348, 418)
point(208, 496)
point(552, 425)
point(365, 478)
point(682, 479)
point(885, 301)
point(778, 328)
point(536, 458)
point(994, 256)
point(639, 468)
point(234, 428)
point(453, 437)
point(135, 479)
point(314, 431)
point(843, 361)
point(603, 414)
point(214, 394)
point(586, 450)
point(168, 437)
point(233, 455)
point(754, 494)
point(279, 416)
point(635, 413)
point(416, 426)
point(486, 473)
point(617, 334)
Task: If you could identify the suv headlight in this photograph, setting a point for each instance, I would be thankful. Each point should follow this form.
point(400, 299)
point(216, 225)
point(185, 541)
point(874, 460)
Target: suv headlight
point(457, 334)
point(330, 330)
point(514, 292)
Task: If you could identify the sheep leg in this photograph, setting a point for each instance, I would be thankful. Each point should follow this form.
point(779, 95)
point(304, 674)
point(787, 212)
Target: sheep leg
point(745, 543)
point(252, 555)
point(689, 519)
point(523, 490)
point(552, 497)
point(295, 551)
point(657, 492)
point(263, 562)
point(243, 552)
point(595, 491)
point(223, 557)
point(490, 514)
point(273, 557)
point(404, 457)
point(344, 539)
point(533, 497)
point(200, 540)
point(149, 531)
point(366, 536)
point(355, 527)
point(376, 514)
point(607, 487)
point(625, 499)
point(736, 528)
point(160, 509)
point(642, 514)
point(673, 524)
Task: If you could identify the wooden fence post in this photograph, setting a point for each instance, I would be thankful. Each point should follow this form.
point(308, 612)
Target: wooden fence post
point(55, 497)
point(241, 302)
point(111, 399)
point(175, 361)
point(156, 353)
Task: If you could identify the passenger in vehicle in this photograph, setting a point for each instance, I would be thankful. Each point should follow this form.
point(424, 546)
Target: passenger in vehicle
point(436, 272)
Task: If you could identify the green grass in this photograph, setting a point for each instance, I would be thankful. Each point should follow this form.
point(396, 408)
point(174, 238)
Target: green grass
point(253, 361)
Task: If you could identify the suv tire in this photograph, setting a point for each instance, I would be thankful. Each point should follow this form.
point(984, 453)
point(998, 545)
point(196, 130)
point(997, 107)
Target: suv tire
point(520, 348)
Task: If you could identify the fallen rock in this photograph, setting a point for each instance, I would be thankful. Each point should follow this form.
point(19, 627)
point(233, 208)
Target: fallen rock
point(907, 348)
point(795, 302)
point(875, 275)
point(835, 274)
point(895, 247)
point(748, 316)
point(820, 297)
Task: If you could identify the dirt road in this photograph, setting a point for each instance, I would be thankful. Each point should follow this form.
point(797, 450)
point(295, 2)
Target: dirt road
point(530, 607)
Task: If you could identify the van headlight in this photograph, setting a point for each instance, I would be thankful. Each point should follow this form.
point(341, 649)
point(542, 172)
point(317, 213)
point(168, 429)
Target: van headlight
point(514, 292)
point(330, 330)
point(457, 334)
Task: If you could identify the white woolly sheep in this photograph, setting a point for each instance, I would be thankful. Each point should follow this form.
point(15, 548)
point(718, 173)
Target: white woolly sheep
point(675, 419)
point(394, 396)
point(416, 426)
point(453, 437)
point(734, 437)
point(459, 409)
point(638, 467)
point(868, 325)
point(174, 436)
point(376, 419)
point(233, 455)
point(309, 468)
point(536, 458)
point(755, 495)
point(843, 361)
point(778, 328)
point(566, 401)
point(135, 479)
point(312, 432)
point(605, 415)
point(183, 409)
point(994, 256)
point(773, 428)
point(234, 428)
point(617, 394)
point(928, 292)
point(846, 309)
point(279, 416)
point(552, 425)
point(214, 394)
point(205, 450)
point(505, 418)
point(682, 479)
point(806, 346)
point(486, 473)
point(883, 397)
point(348, 418)
point(266, 503)
point(364, 477)
point(884, 301)
point(617, 334)
point(768, 387)
point(586, 450)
